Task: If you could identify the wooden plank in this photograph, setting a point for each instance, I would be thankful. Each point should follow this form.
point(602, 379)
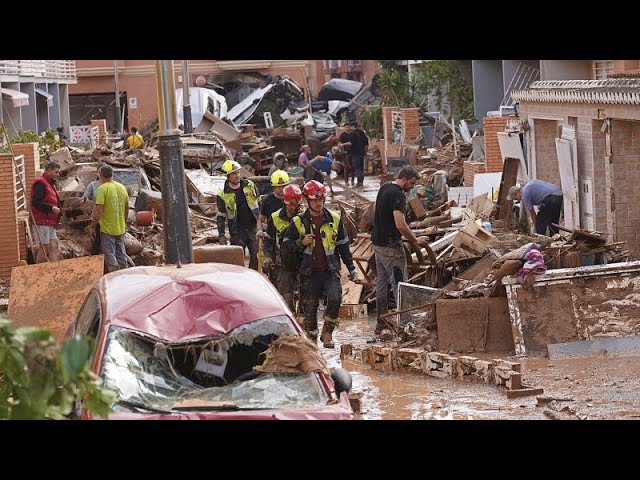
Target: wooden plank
point(524, 392)
point(509, 179)
point(568, 183)
point(49, 295)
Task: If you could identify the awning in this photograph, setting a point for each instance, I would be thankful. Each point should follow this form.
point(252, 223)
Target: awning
point(18, 99)
point(46, 95)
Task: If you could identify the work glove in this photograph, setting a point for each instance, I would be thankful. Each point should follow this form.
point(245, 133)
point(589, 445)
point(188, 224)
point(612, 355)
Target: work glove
point(267, 264)
point(223, 240)
point(260, 234)
point(353, 276)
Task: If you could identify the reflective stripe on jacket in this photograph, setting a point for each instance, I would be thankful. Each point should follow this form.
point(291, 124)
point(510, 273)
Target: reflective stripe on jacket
point(229, 200)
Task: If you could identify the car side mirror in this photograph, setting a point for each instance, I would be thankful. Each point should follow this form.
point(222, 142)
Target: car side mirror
point(342, 380)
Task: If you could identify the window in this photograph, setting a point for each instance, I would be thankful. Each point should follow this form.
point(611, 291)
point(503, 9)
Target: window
point(334, 63)
point(88, 319)
point(602, 69)
point(354, 63)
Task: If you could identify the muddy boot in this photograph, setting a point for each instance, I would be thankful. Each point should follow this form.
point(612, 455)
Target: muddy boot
point(311, 329)
point(325, 336)
point(380, 325)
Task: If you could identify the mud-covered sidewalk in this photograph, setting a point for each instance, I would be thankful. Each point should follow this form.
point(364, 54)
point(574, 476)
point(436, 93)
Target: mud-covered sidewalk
point(576, 388)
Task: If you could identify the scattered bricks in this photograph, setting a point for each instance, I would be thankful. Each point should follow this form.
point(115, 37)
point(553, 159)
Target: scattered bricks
point(425, 362)
point(484, 370)
point(384, 358)
point(449, 366)
point(346, 350)
point(466, 366)
point(355, 399)
point(367, 356)
point(408, 360)
point(434, 361)
point(501, 375)
point(515, 381)
point(516, 367)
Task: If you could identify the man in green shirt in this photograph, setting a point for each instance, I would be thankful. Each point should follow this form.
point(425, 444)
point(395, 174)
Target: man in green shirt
point(111, 212)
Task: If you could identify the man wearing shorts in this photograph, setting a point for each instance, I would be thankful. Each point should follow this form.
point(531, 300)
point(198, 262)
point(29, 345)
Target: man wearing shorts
point(45, 206)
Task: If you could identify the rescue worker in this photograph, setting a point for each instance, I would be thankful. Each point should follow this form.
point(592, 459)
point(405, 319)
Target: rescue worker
point(273, 201)
point(282, 277)
point(238, 203)
point(319, 235)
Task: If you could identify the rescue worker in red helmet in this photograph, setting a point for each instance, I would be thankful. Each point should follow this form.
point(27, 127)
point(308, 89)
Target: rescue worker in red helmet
point(283, 278)
point(238, 204)
point(319, 235)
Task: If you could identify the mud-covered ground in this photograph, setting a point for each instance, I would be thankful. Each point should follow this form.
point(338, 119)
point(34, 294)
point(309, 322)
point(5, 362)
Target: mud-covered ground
point(585, 388)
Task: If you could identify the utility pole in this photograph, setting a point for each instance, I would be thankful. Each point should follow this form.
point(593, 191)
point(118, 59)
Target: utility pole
point(118, 115)
point(186, 103)
point(175, 210)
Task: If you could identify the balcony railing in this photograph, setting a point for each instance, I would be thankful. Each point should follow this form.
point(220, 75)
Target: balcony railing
point(51, 69)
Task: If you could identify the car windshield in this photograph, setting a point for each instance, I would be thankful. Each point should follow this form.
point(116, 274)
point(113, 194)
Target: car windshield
point(213, 373)
point(129, 178)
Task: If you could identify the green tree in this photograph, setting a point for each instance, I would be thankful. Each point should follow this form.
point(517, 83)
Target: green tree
point(442, 81)
point(445, 81)
point(41, 380)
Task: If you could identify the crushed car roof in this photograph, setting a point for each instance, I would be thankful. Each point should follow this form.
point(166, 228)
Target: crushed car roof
point(191, 301)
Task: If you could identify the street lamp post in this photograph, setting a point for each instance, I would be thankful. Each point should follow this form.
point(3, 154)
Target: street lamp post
point(175, 211)
point(186, 103)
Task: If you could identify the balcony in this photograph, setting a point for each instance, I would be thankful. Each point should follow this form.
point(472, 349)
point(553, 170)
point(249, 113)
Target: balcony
point(44, 69)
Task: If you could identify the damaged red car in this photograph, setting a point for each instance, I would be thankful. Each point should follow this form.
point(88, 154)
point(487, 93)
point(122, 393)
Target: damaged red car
point(205, 341)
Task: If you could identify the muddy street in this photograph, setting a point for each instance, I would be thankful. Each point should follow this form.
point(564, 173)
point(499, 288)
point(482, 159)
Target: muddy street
point(585, 388)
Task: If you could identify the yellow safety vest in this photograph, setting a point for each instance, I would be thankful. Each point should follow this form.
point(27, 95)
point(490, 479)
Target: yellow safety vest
point(330, 231)
point(229, 199)
point(280, 224)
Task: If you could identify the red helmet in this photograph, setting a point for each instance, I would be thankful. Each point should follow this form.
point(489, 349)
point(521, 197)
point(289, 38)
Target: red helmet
point(291, 195)
point(314, 189)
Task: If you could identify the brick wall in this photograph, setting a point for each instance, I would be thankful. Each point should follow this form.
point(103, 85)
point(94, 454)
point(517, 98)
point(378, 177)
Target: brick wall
point(547, 168)
point(410, 121)
point(625, 145)
point(102, 130)
point(492, 155)
point(9, 245)
point(470, 169)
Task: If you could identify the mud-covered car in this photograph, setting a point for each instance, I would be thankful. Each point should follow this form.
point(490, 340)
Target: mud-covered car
point(205, 341)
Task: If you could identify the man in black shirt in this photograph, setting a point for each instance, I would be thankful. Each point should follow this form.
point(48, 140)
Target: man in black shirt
point(358, 144)
point(388, 227)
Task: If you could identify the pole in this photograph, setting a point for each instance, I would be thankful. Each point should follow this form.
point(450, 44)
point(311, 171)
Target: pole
point(186, 102)
point(116, 79)
point(175, 212)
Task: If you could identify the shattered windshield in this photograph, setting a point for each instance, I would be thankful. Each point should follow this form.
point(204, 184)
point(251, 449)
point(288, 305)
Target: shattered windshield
point(129, 178)
point(213, 373)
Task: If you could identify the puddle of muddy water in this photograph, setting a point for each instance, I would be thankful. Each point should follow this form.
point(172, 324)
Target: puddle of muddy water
point(598, 388)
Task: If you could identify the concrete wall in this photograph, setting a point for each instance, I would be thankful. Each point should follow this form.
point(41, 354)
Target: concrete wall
point(565, 69)
point(487, 86)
